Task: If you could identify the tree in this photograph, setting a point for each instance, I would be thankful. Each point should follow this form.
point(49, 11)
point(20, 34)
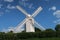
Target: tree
point(49, 30)
point(49, 33)
point(57, 28)
point(37, 30)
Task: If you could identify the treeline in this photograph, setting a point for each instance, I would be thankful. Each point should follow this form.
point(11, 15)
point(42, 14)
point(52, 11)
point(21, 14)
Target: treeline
point(38, 34)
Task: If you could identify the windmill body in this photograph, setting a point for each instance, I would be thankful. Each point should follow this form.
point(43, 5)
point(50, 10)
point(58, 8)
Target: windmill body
point(29, 24)
point(28, 21)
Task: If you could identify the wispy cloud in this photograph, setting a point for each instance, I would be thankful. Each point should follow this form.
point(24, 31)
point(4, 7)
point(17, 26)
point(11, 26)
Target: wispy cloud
point(7, 10)
point(26, 4)
point(9, 0)
point(53, 8)
point(31, 6)
point(10, 7)
point(23, 3)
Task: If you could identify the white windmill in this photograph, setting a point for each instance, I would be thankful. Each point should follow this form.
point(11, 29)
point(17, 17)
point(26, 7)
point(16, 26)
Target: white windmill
point(29, 21)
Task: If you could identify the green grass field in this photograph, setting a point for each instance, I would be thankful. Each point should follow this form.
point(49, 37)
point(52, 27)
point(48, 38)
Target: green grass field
point(42, 39)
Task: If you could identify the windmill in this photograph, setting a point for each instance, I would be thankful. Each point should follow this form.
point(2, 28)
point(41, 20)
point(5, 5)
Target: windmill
point(29, 21)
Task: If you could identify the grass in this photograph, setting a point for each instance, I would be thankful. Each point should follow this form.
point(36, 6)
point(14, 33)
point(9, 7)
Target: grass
point(42, 39)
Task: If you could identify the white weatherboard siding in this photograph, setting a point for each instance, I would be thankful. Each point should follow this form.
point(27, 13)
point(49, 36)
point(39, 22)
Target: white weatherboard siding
point(29, 25)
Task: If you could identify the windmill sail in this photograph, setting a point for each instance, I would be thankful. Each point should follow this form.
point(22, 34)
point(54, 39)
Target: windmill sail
point(22, 10)
point(37, 11)
point(19, 27)
point(29, 21)
point(39, 26)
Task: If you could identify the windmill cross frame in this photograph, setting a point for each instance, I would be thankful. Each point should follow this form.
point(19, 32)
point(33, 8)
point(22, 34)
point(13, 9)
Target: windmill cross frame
point(28, 17)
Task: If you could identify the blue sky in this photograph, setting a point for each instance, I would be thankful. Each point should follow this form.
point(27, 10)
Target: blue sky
point(10, 16)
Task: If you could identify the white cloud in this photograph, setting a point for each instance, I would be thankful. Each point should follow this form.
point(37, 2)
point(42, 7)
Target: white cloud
point(53, 8)
point(4, 30)
point(10, 7)
point(11, 28)
point(14, 29)
point(7, 30)
point(18, 30)
point(57, 21)
point(57, 13)
point(9, 0)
